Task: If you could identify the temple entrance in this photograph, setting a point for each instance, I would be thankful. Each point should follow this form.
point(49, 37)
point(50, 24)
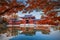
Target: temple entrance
point(27, 21)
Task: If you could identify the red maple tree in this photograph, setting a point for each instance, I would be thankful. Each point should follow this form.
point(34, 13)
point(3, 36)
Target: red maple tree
point(12, 6)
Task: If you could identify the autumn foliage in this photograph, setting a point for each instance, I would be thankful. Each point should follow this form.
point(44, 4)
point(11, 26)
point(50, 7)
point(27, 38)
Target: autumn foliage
point(12, 6)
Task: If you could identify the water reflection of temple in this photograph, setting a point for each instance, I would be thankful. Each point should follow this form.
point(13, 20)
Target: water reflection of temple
point(28, 31)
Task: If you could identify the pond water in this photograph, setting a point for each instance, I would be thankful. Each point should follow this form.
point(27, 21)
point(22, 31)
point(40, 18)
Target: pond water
point(39, 35)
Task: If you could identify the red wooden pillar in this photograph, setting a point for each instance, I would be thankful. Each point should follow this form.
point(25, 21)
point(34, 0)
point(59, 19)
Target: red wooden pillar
point(23, 21)
point(31, 21)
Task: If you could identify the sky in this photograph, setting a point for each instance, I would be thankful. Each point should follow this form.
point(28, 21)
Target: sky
point(34, 13)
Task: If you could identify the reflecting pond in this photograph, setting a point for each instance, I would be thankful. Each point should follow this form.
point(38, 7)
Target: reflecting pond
point(53, 34)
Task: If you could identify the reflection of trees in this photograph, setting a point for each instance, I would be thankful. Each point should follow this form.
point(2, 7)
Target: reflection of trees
point(56, 28)
point(3, 25)
point(14, 32)
point(45, 32)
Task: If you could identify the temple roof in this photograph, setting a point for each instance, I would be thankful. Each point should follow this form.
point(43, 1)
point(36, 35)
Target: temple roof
point(28, 16)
